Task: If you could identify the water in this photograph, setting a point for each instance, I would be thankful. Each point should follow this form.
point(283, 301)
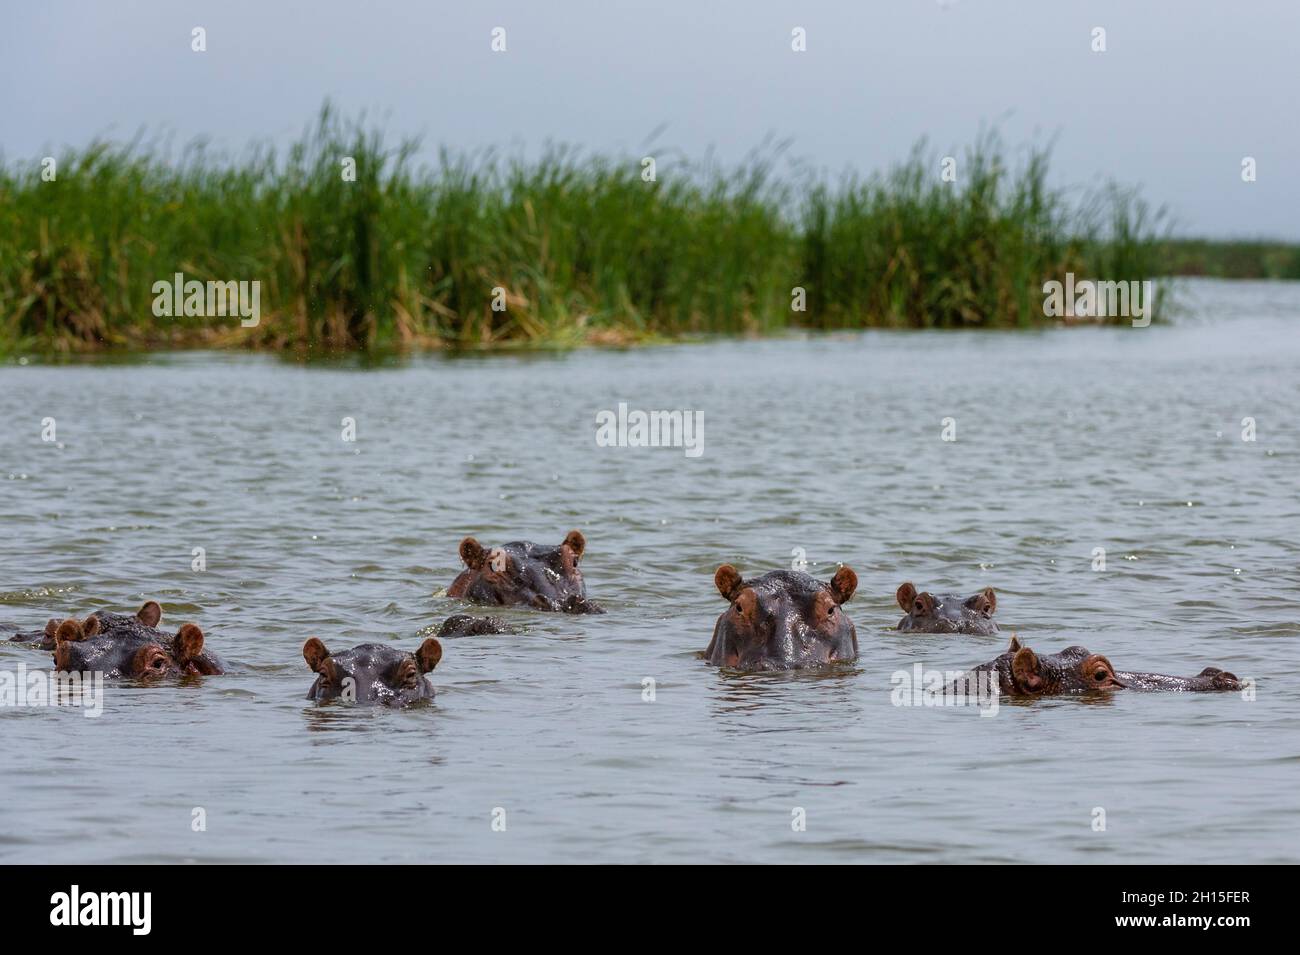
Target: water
point(1067, 440)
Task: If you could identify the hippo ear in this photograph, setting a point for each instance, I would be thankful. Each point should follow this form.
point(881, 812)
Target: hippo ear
point(314, 652)
point(63, 655)
point(70, 631)
point(91, 625)
point(985, 602)
point(149, 614)
point(843, 585)
point(905, 595)
point(429, 654)
point(1221, 679)
point(1014, 645)
point(576, 543)
point(1025, 670)
point(728, 581)
point(188, 643)
point(51, 627)
point(472, 553)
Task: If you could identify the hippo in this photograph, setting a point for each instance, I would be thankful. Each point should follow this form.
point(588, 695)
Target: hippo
point(143, 626)
point(525, 574)
point(147, 616)
point(41, 638)
point(1022, 672)
point(463, 625)
point(131, 652)
point(372, 672)
point(783, 620)
point(947, 613)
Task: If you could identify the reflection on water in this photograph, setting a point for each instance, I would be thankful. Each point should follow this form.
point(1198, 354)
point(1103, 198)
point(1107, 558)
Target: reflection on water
point(1067, 441)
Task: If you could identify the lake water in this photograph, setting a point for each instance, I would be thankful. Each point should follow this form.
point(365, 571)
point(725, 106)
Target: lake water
point(1067, 440)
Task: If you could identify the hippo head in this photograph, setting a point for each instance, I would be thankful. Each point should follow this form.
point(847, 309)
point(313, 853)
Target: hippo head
point(372, 672)
point(947, 613)
point(1208, 680)
point(525, 574)
point(127, 653)
point(148, 615)
point(784, 620)
point(1022, 672)
point(463, 625)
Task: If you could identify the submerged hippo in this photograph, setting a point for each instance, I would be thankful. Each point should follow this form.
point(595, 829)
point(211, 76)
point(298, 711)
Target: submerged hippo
point(1022, 672)
point(947, 613)
point(372, 672)
point(463, 625)
point(142, 628)
point(148, 615)
point(522, 573)
point(784, 620)
point(128, 652)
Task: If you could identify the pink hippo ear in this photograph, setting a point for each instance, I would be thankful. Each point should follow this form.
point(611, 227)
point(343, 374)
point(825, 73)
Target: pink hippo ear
point(70, 631)
point(1025, 671)
point(428, 655)
point(728, 581)
point(149, 614)
point(905, 595)
point(576, 543)
point(314, 652)
point(844, 584)
point(188, 643)
point(985, 602)
point(473, 554)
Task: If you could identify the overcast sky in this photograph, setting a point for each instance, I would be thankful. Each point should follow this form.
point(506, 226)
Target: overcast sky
point(1184, 90)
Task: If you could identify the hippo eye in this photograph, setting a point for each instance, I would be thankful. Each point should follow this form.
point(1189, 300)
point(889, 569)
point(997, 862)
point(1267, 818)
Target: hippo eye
point(1100, 675)
point(158, 663)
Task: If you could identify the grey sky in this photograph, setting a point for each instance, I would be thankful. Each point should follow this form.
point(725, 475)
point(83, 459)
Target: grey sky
point(1185, 90)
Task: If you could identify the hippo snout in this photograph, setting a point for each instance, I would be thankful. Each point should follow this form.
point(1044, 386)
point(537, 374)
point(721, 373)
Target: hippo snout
point(947, 613)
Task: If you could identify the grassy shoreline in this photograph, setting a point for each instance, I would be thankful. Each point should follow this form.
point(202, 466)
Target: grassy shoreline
point(576, 249)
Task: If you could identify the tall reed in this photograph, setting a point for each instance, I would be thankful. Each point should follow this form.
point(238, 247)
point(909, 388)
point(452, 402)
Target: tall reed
point(487, 250)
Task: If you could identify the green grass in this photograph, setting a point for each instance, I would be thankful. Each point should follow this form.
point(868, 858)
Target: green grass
point(586, 251)
point(1230, 260)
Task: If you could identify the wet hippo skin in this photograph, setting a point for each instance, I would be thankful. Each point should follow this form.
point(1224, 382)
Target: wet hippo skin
point(783, 620)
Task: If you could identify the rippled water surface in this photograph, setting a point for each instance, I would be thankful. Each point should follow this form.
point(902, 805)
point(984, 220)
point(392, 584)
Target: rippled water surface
point(1067, 440)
